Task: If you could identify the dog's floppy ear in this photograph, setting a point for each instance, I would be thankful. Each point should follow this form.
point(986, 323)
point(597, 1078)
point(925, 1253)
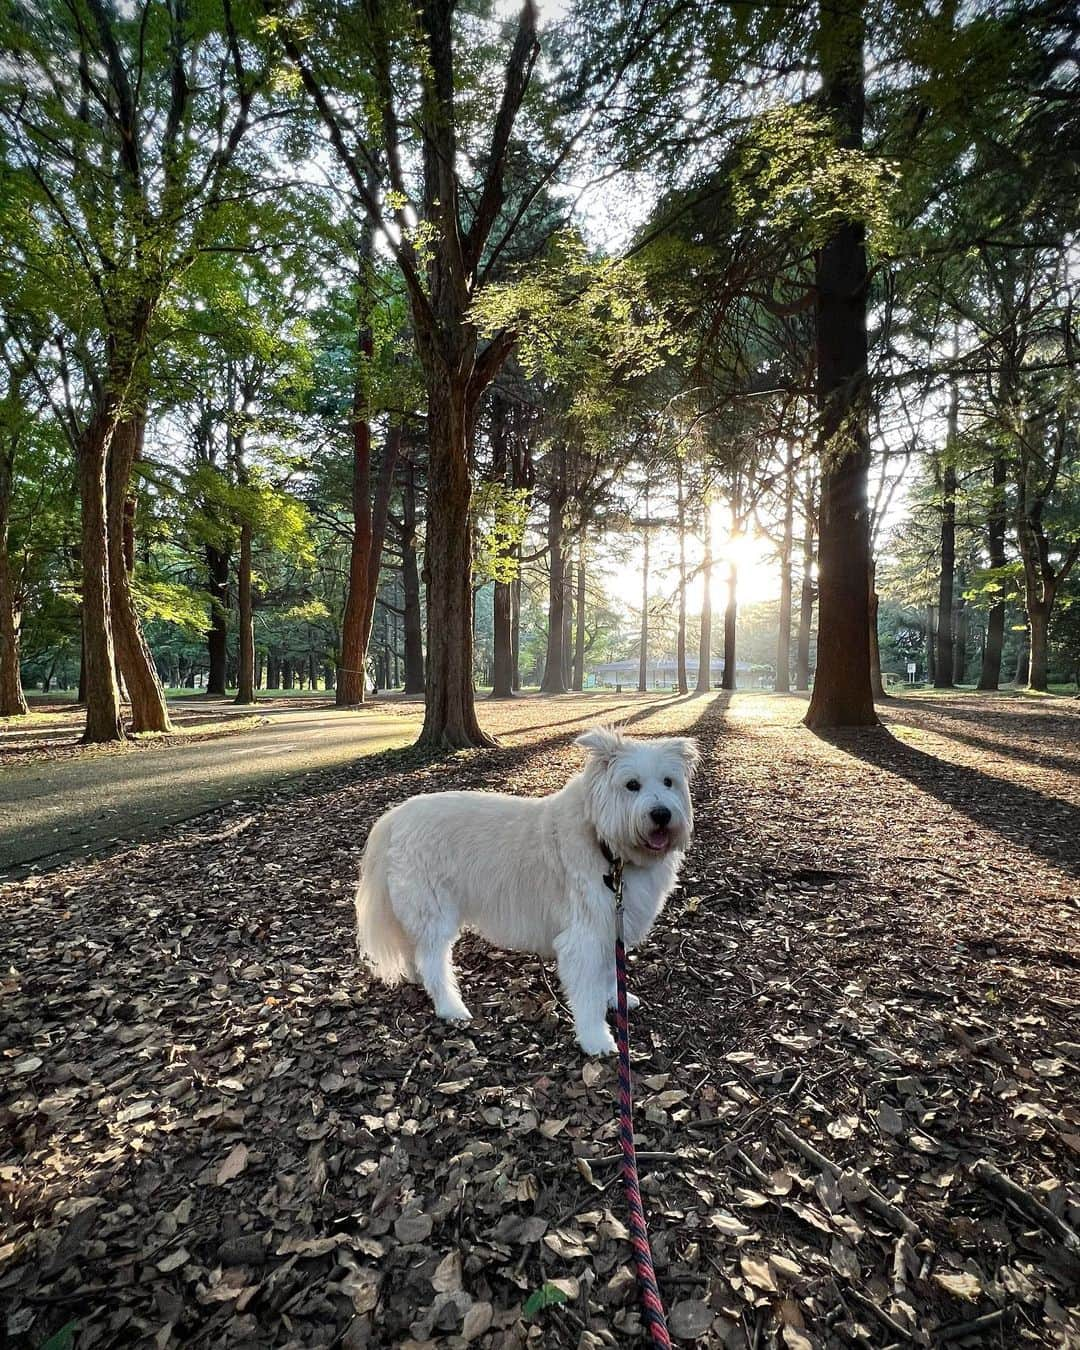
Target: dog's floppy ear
point(689, 752)
point(603, 743)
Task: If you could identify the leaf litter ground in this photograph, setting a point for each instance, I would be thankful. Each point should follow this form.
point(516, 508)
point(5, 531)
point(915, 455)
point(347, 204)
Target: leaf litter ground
point(856, 1065)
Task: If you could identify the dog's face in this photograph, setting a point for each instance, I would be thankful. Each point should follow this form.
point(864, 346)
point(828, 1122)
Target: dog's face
point(639, 793)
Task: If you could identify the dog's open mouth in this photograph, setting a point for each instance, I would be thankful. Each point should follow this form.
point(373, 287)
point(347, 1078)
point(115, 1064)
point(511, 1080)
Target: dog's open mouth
point(658, 841)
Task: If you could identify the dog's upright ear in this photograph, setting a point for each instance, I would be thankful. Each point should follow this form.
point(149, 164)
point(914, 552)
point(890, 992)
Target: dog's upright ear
point(688, 751)
point(602, 743)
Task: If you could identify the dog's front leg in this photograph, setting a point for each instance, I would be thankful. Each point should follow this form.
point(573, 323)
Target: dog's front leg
point(584, 961)
point(632, 1000)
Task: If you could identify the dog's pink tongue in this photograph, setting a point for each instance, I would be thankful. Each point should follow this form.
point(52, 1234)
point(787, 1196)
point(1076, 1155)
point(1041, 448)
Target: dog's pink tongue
point(658, 839)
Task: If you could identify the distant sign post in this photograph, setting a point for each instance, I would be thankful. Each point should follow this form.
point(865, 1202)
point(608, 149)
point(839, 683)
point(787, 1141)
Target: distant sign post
point(912, 671)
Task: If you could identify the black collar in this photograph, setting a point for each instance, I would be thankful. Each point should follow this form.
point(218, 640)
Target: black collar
point(609, 858)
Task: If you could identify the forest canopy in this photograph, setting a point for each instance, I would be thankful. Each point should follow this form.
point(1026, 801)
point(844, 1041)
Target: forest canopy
point(478, 346)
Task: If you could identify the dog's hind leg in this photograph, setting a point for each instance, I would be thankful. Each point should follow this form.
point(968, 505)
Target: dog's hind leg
point(584, 969)
point(436, 973)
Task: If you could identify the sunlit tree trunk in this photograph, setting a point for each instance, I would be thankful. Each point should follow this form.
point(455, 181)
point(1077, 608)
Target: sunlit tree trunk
point(149, 711)
point(783, 637)
point(643, 658)
point(553, 682)
point(704, 678)
point(943, 669)
point(806, 593)
point(876, 680)
point(568, 631)
point(729, 678)
point(681, 682)
point(579, 624)
point(990, 674)
point(99, 686)
point(842, 694)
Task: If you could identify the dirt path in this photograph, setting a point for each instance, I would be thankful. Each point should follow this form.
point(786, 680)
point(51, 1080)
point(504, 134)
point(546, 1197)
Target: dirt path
point(223, 1135)
point(86, 802)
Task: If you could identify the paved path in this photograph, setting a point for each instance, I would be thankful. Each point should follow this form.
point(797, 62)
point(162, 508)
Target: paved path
point(53, 811)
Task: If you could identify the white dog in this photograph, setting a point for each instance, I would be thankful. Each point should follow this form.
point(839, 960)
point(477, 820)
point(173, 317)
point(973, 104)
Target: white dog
point(528, 874)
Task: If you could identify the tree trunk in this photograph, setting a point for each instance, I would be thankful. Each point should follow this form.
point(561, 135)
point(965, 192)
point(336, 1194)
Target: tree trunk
point(783, 637)
point(410, 586)
point(961, 633)
point(842, 694)
point(502, 680)
point(568, 623)
point(245, 679)
point(1039, 621)
point(643, 658)
point(682, 683)
point(876, 681)
point(943, 672)
point(728, 679)
point(515, 628)
point(931, 644)
point(990, 674)
point(12, 699)
point(704, 670)
point(450, 712)
point(553, 682)
point(579, 626)
point(100, 688)
point(217, 641)
point(149, 711)
point(806, 597)
point(1023, 659)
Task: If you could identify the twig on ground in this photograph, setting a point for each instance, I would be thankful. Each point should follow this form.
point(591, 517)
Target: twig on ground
point(996, 1180)
point(975, 1327)
point(879, 1312)
point(885, 1209)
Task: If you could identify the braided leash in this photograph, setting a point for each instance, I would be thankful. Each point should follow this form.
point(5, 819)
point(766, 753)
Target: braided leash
point(651, 1303)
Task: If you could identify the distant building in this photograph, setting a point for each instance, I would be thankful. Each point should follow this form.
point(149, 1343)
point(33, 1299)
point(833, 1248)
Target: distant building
point(662, 673)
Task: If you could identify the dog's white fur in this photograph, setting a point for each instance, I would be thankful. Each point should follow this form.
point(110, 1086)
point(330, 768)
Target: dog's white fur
point(527, 874)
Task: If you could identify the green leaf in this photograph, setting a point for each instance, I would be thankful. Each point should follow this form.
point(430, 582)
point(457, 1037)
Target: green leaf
point(63, 1339)
point(547, 1296)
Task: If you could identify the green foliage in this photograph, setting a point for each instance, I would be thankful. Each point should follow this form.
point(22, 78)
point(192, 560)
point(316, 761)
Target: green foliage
point(501, 515)
point(547, 1296)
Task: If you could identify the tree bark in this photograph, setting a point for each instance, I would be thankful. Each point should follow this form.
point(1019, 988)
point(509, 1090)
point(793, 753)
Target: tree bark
point(783, 637)
point(1039, 622)
point(729, 679)
point(682, 683)
point(217, 640)
point(990, 673)
point(704, 676)
point(450, 712)
point(806, 595)
point(943, 670)
point(643, 658)
point(515, 629)
point(579, 626)
point(100, 687)
point(877, 683)
point(149, 711)
point(12, 699)
point(410, 587)
point(245, 677)
point(960, 633)
point(553, 681)
point(842, 695)
point(1023, 659)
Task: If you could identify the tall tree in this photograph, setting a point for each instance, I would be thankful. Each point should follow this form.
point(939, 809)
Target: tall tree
point(842, 694)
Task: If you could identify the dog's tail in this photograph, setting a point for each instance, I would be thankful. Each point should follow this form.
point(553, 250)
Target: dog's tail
point(379, 934)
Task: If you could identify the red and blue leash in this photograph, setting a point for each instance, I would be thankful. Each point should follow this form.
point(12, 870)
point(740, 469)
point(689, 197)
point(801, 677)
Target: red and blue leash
point(651, 1303)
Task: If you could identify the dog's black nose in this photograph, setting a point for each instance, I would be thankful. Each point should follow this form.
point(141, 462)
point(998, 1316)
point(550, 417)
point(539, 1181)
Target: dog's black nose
point(661, 815)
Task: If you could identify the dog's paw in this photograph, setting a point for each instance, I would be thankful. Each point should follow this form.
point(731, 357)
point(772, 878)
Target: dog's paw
point(598, 1043)
point(632, 1001)
point(454, 1012)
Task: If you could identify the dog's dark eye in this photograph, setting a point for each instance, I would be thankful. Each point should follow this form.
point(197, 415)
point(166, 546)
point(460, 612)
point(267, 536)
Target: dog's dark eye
point(633, 785)
point(667, 782)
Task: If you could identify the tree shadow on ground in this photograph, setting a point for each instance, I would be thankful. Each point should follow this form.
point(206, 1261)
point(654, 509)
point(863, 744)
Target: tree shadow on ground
point(963, 724)
point(1043, 824)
